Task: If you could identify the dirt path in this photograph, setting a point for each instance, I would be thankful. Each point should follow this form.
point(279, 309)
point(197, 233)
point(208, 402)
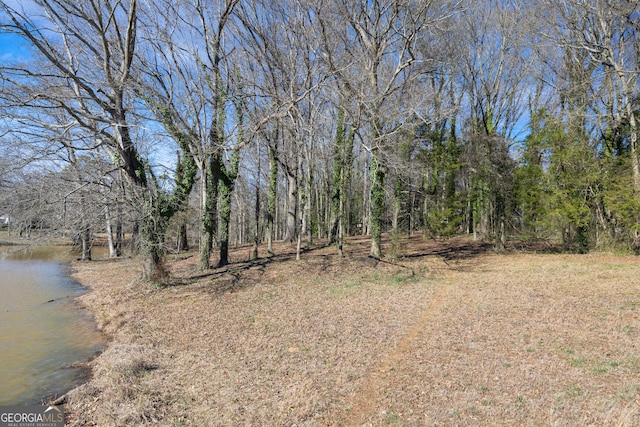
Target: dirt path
point(364, 404)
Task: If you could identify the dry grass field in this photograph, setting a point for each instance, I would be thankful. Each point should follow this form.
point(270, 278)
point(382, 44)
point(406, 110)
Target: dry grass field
point(447, 333)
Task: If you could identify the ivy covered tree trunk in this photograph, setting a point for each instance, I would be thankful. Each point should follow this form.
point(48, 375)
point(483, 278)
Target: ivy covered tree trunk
point(226, 183)
point(225, 216)
point(228, 177)
point(151, 248)
point(345, 180)
point(342, 165)
point(209, 210)
point(212, 172)
point(158, 210)
point(342, 169)
point(162, 206)
point(155, 205)
point(377, 209)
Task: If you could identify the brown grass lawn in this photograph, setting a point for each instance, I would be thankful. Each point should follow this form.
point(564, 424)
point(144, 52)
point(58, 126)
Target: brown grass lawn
point(447, 334)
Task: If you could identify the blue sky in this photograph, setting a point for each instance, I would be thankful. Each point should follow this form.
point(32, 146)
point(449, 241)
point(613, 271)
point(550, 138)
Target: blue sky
point(15, 49)
point(12, 47)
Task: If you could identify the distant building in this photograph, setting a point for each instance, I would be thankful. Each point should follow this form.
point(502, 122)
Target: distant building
point(4, 220)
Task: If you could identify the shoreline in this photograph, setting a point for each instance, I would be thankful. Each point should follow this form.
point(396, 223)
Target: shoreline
point(80, 402)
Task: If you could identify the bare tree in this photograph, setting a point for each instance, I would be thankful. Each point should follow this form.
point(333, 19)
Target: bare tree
point(495, 75)
point(607, 31)
point(281, 51)
point(84, 53)
point(378, 64)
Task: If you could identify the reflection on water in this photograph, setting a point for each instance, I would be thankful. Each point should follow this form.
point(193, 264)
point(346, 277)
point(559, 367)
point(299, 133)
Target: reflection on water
point(42, 331)
point(59, 253)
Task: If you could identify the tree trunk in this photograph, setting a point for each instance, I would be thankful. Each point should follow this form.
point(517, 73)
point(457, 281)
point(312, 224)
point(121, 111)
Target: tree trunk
point(209, 208)
point(119, 238)
point(135, 237)
point(340, 236)
point(110, 241)
point(256, 235)
point(152, 232)
point(307, 219)
point(273, 193)
point(292, 207)
point(183, 242)
point(365, 225)
point(85, 238)
point(226, 183)
point(377, 208)
point(336, 182)
point(633, 144)
point(397, 205)
point(302, 203)
point(153, 268)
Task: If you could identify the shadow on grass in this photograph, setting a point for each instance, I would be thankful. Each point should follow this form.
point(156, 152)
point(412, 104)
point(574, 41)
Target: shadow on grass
point(235, 276)
point(321, 257)
point(458, 253)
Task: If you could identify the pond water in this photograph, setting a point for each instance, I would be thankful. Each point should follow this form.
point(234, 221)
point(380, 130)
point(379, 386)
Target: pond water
point(43, 333)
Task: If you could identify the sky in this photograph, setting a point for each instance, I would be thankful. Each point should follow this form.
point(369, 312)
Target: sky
point(12, 48)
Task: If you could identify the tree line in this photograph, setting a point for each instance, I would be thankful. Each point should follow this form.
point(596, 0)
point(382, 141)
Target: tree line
point(254, 120)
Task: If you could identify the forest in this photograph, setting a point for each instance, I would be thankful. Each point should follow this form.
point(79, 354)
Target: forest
point(214, 123)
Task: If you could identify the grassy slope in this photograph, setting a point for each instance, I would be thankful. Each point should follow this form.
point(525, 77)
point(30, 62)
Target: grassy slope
point(449, 334)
